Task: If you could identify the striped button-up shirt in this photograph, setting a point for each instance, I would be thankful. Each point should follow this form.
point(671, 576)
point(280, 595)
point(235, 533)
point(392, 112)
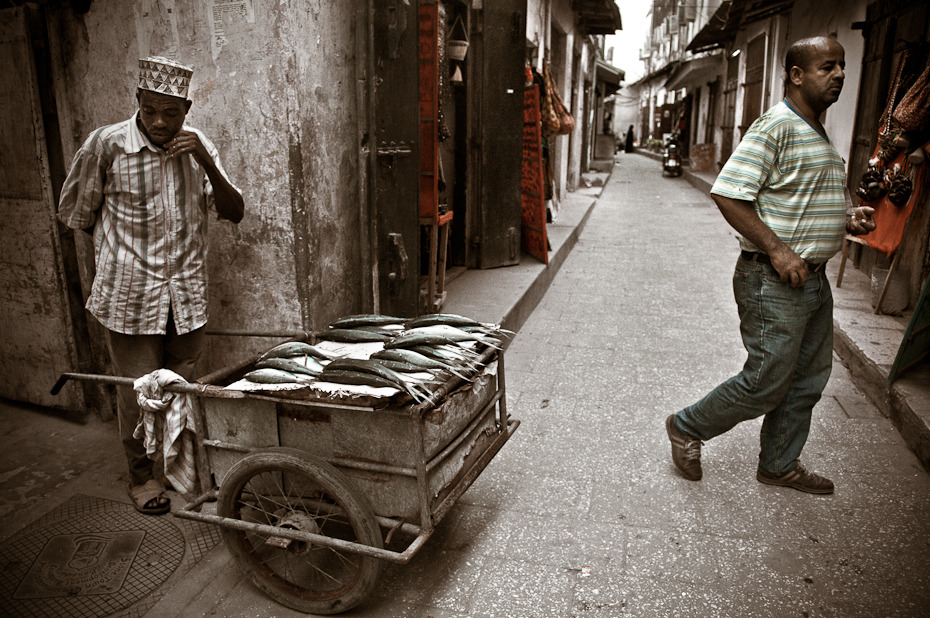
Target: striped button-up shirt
point(149, 216)
point(795, 179)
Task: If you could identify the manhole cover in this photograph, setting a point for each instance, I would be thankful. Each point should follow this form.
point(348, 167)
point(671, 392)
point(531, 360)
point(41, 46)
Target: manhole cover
point(89, 557)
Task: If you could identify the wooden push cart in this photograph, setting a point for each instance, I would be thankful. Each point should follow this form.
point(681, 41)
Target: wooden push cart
point(309, 490)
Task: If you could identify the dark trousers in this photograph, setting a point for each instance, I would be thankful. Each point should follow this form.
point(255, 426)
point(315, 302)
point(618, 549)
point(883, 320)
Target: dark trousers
point(134, 356)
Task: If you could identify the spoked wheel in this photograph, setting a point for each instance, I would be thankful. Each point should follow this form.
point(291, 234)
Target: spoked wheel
point(288, 488)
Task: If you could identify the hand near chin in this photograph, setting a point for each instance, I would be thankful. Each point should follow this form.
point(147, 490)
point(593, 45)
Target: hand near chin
point(187, 142)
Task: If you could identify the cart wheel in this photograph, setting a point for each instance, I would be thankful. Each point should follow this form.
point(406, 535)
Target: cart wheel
point(291, 489)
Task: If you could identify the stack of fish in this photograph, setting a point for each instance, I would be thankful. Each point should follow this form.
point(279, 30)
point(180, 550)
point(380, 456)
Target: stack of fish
point(413, 354)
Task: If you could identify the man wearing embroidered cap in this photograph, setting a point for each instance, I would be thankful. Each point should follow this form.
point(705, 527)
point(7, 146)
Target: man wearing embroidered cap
point(144, 188)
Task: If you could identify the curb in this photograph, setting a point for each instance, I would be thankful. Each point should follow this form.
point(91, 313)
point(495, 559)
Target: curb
point(524, 306)
point(895, 400)
point(509, 295)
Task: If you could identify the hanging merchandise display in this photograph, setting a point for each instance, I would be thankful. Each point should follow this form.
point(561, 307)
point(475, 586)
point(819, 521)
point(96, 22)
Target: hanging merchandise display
point(872, 185)
point(548, 189)
point(443, 49)
point(557, 108)
point(532, 184)
point(905, 190)
point(566, 121)
point(912, 114)
point(889, 134)
point(899, 185)
point(551, 124)
point(893, 183)
point(457, 48)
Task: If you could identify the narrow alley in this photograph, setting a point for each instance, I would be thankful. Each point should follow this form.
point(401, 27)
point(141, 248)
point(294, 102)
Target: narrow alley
point(583, 513)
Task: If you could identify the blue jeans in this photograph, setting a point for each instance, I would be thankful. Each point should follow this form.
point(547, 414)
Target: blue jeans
point(788, 333)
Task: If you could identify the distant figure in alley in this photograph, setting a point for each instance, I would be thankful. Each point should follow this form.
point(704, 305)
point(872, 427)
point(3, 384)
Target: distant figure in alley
point(784, 191)
point(144, 188)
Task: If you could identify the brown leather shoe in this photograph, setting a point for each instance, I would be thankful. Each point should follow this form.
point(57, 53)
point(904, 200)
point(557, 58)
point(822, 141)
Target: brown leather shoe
point(686, 451)
point(800, 479)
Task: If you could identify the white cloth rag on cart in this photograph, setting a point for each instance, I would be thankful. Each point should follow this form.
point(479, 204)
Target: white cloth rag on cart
point(168, 424)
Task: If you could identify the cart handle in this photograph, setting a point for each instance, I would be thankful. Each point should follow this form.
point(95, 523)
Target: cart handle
point(298, 335)
point(189, 388)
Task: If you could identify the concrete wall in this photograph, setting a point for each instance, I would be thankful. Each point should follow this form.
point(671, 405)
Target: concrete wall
point(276, 90)
point(537, 27)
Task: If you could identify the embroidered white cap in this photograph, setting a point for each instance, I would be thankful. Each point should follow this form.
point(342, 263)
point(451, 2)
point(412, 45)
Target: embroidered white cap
point(164, 76)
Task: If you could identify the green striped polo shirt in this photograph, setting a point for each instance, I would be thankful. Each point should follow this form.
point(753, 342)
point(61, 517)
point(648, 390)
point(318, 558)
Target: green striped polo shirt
point(795, 179)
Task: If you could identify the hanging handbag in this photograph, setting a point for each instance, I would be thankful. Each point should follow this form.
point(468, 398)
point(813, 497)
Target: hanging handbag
point(550, 114)
point(566, 121)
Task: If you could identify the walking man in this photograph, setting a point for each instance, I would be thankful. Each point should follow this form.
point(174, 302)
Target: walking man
point(144, 188)
point(783, 190)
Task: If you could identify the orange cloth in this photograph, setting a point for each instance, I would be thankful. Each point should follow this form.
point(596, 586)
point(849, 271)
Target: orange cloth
point(891, 220)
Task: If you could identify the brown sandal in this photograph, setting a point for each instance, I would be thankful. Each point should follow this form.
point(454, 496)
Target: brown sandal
point(149, 498)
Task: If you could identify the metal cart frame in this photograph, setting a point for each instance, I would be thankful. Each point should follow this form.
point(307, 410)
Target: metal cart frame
point(433, 454)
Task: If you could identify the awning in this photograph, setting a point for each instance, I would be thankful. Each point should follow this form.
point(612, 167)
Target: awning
point(730, 16)
point(696, 72)
point(721, 28)
point(665, 70)
point(598, 16)
point(609, 75)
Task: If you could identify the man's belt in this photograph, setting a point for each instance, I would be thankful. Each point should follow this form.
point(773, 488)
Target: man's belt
point(762, 258)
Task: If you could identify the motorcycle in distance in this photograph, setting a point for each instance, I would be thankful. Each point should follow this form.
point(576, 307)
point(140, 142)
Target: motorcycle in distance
point(671, 157)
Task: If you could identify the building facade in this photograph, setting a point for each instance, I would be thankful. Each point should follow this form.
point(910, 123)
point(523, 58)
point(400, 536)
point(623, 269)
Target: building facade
point(351, 129)
point(712, 67)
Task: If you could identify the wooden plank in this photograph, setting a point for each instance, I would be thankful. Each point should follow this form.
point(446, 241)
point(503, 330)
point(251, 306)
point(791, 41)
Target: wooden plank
point(428, 37)
point(395, 181)
point(36, 339)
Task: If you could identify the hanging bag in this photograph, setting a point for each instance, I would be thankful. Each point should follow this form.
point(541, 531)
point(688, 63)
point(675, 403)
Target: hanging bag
point(550, 114)
point(566, 123)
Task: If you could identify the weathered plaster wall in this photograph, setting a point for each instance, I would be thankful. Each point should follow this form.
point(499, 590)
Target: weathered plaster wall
point(277, 94)
point(537, 27)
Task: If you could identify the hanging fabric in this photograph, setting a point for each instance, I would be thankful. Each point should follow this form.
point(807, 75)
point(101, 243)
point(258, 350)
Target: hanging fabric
point(889, 133)
point(913, 112)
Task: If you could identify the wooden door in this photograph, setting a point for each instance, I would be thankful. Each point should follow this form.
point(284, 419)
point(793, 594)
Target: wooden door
point(752, 87)
point(37, 340)
point(499, 75)
point(729, 109)
point(877, 69)
point(396, 175)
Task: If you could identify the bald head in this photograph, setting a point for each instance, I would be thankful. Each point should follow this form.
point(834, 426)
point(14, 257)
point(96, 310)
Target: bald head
point(814, 74)
point(804, 52)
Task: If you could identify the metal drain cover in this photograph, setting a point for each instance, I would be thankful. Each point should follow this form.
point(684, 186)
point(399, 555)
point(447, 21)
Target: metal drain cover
point(89, 557)
point(81, 564)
